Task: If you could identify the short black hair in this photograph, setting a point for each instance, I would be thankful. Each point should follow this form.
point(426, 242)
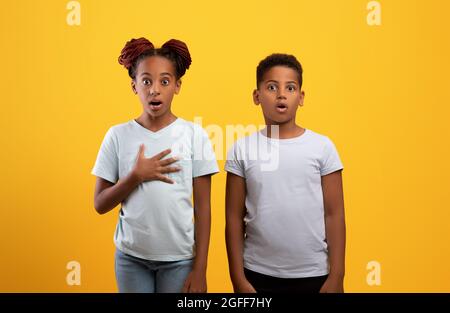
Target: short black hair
point(279, 59)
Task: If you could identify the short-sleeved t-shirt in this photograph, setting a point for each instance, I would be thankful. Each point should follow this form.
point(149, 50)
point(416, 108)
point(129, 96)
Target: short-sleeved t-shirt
point(285, 225)
point(156, 219)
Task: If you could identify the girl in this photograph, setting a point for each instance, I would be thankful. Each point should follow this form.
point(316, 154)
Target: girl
point(151, 165)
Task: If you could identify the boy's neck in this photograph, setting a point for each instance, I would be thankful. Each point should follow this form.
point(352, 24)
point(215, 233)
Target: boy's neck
point(285, 130)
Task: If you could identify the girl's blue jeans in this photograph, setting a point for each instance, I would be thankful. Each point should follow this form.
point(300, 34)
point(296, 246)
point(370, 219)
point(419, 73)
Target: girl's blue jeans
point(139, 275)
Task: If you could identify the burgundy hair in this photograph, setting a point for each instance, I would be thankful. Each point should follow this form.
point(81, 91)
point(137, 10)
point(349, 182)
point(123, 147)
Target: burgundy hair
point(136, 50)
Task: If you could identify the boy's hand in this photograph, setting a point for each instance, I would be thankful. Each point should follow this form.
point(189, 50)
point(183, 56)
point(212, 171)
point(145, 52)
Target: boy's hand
point(244, 286)
point(333, 285)
point(153, 168)
point(195, 282)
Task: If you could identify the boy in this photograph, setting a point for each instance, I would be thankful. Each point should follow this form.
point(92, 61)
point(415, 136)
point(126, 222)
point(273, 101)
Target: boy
point(285, 225)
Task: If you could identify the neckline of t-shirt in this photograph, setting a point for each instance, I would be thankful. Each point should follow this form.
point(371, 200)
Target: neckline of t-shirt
point(287, 140)
point(158, 132)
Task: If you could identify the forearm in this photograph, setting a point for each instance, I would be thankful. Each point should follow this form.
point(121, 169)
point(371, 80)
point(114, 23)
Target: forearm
point(202, 217)
point(109, 198)
point(335, 232)
point(234, 233)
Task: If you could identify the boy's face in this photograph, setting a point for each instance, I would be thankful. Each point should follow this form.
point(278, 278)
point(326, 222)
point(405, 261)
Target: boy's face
point(156, 84)
point(279, 94)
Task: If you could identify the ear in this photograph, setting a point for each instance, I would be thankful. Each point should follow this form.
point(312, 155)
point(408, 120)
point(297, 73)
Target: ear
point(302, 98)
point(256, 97)
point(177, 86)
point(133, 86)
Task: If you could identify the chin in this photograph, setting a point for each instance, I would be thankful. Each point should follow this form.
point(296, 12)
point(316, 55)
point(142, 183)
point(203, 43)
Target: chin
point(279, 121)
point(157, 113)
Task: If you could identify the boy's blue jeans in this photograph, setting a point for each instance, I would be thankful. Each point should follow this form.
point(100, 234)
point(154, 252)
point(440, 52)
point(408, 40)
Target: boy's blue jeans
point(139, 275)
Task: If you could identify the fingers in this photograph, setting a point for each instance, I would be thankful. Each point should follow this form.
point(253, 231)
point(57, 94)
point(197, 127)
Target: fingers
point(141, 151)
point(164, 179)
point(186, 285)
point(197, 290)
point(161, 154)
point(169, 169)
point(168, 161)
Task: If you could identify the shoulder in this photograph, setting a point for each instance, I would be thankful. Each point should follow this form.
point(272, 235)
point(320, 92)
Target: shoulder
point(323, 146)
point(119, 133)
point(190, 128)
point(318, 139)
point(191, 125)
point(244, 141)
point(121, 128)
point(244, 145)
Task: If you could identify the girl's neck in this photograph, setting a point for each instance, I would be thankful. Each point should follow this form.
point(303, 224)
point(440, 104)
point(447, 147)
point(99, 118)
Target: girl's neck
point(156, 123)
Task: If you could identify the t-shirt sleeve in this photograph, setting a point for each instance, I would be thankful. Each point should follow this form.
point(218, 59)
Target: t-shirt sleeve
point(235, 163)
point(107, 164)
point(204, 159)
point(330, 161)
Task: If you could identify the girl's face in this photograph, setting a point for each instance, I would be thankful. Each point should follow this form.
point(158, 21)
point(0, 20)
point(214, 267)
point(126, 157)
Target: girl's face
point(279, 95)
point(156, 84)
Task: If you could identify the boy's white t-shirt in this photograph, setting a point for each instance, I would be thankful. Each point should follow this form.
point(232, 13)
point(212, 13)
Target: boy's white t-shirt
point(156, 219)
point(285, 224)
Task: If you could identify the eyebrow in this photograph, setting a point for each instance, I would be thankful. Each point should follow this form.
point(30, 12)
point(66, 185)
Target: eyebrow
point(162, 74)
point(166, 73)
point(275, 81)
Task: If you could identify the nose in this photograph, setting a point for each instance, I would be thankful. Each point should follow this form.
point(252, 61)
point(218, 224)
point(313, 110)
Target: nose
point(154, 90)
point(280, 94)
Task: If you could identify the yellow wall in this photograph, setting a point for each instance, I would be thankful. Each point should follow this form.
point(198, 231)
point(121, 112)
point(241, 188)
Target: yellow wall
point(381, 93)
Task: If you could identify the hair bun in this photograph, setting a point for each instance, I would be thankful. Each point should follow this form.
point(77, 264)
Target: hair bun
point(181, 49)
point(132, 50)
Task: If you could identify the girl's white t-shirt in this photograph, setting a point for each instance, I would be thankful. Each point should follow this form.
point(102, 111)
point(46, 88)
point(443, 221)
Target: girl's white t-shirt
point(156, 219)
point(285, 225)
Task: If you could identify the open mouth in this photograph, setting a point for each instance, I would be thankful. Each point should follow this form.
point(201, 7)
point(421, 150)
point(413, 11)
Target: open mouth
point(282, 107)
point(155, 105)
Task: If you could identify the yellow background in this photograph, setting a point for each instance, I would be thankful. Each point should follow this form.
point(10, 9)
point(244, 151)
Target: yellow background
point(381, 93)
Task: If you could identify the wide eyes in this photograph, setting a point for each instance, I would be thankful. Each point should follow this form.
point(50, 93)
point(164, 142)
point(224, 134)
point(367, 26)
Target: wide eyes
point(148, 82)
point(274, 87)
